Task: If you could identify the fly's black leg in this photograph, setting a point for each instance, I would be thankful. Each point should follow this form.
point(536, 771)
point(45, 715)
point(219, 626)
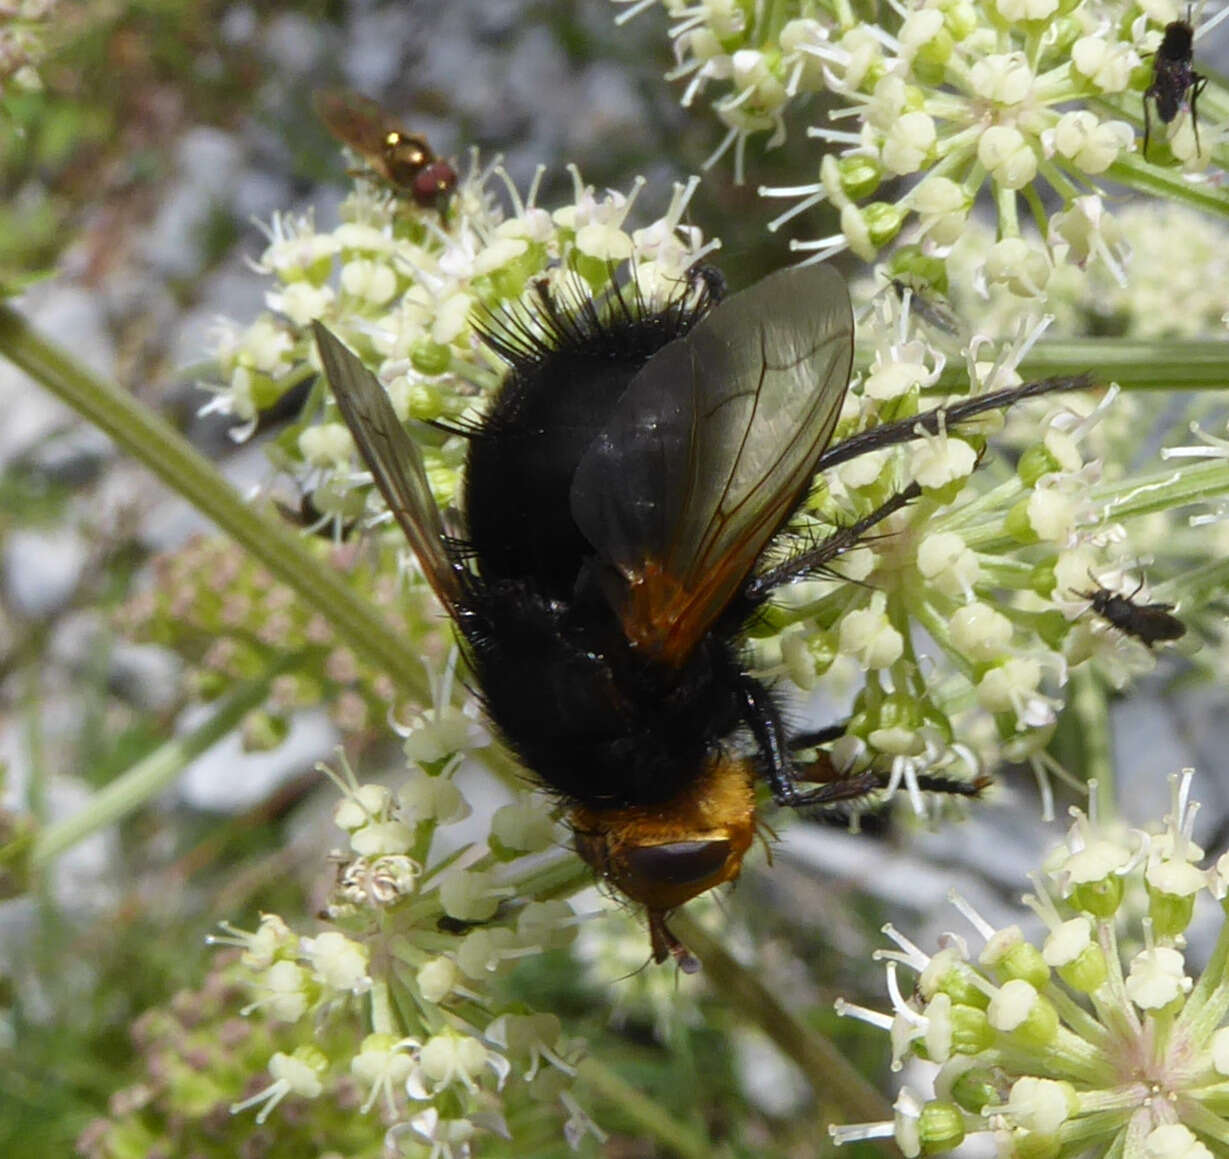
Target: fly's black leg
point(1147, 125)
point(764, 720)
point(817, 736)
point(1201, 82)
point(835, 545)
point(906, 430)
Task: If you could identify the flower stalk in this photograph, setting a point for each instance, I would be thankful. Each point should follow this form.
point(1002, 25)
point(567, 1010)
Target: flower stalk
point(827, 1070)
point(150, 776)
point(155, 443)
point(1132, 363)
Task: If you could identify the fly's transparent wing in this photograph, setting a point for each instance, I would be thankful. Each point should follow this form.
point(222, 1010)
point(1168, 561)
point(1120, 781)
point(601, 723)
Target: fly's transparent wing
point(710, 450)
point(354, 119)
point(394, 461)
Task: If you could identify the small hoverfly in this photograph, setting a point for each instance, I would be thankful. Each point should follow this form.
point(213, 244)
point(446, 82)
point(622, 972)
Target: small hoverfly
point(620, 494)
point(1148, 623)
point(1173, 77)
point(403, 160)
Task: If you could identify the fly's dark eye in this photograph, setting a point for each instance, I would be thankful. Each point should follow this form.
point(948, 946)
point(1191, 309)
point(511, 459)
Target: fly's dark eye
point(680, 862)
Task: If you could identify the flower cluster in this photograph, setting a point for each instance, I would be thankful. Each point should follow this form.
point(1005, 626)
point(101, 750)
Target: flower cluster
point(406, 288)
point(1178, 286)
point(994, 566)
point(1099, 1039)
point(196, 1053)
point(213, 605)
point(1023, 100)
point(420, 929)
point(22, 26)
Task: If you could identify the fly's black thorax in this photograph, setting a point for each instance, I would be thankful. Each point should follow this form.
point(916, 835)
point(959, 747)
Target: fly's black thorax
point(519, 472)
point(556, 398)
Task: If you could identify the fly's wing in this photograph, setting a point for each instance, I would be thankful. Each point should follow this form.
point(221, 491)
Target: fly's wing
point(394, 461)
point(709, 450)
point(354, 119)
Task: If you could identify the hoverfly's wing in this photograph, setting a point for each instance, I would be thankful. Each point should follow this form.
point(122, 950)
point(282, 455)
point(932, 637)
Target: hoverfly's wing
point(710, 449)
point(354, 119)
point(394, 461)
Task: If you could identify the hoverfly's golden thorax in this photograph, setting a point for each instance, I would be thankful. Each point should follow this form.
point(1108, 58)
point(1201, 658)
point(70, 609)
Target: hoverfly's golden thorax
point(404, 156)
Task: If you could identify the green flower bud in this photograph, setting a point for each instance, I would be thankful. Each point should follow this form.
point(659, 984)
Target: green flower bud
point(940, 1127)
point(1052, 627)
point(975, 1089)
point(1017, 523)
point(860, 176)
point(1035, 462)
point(1023, 960)
point(1087, 972)
point(957, 983)
point(1170, 912)
point(1042, 579)
point(883, 221)
point(429, 357)
point(930, 63)
point(1019, 1011)
point(425, 401)
point(1033, 1145)
point(959, 18)
point(971, 1030)
point(1099, 898)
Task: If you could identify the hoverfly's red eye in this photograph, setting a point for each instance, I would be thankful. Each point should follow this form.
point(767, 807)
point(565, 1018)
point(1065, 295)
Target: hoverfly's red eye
point(679, 862)
point(437, 178)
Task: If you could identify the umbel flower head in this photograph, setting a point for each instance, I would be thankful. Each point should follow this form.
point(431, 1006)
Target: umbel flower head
point(939, 102)
point(1101, 1038)
point(990, 563)
point(397, 992)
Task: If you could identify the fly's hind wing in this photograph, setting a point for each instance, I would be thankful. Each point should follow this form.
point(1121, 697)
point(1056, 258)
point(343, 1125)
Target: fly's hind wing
point(710, 450)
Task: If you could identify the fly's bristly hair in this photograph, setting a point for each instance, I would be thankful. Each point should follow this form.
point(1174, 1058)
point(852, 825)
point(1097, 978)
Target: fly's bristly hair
point(565, 320)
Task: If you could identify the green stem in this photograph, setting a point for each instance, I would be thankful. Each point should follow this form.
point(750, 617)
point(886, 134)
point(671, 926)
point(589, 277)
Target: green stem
point(153, 441)
point(650, 1116)
point(148, 777)
point(1134, 171)
point(825, 1067)
point(1133, 363)
point(1096, 746)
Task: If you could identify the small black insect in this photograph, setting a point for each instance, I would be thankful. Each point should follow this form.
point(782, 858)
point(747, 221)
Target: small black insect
point(1173, 77)
point(1148, 623)
point(928, 305)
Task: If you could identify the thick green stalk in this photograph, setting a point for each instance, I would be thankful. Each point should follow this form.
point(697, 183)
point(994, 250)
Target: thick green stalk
point(1133, 170)
point(1133, 363)
point(826, 1069)
point(1088, 702)
point(651, 1117)
point(153, 441)
point(148, 777)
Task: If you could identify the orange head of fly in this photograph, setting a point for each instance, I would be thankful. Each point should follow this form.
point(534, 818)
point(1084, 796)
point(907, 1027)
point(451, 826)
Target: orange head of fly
point(664, 855)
